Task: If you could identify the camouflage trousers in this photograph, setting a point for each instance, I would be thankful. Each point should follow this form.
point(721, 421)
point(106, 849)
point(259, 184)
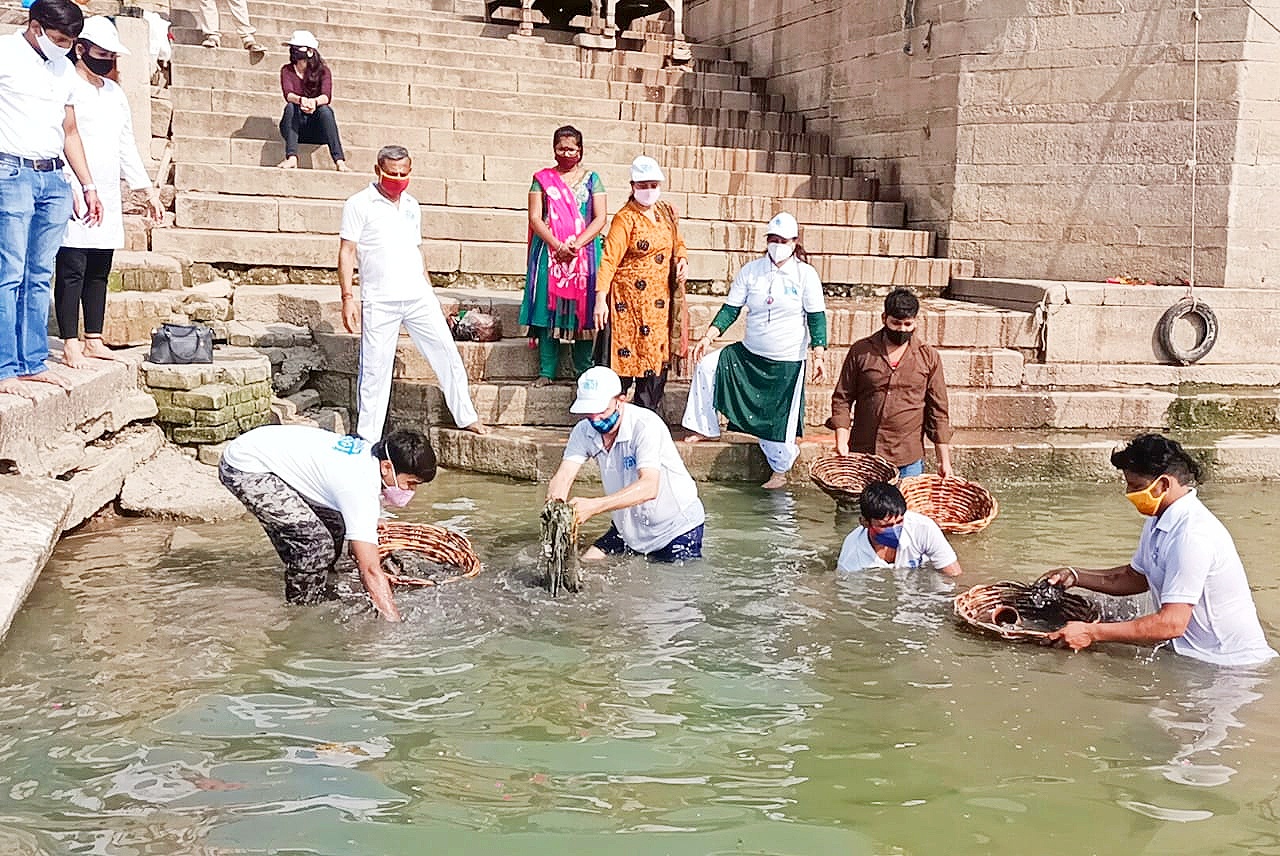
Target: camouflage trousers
point(308, 537)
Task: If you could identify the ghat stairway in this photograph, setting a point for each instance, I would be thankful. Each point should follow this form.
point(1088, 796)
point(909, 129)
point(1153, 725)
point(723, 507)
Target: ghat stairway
point(477, 110)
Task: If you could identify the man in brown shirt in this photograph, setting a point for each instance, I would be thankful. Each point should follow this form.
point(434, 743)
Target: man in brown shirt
point(894, 387)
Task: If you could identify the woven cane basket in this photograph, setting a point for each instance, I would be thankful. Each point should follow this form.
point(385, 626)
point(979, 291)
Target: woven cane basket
point(440, 545)
point(958, 506)
point(1012, 610)
point(842, 477)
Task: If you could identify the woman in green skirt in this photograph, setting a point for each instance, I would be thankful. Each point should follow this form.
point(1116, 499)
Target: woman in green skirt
point(758, 383)
point(567, 213)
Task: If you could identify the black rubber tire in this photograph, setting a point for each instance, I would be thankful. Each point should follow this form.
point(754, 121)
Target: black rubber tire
point(1164, 330)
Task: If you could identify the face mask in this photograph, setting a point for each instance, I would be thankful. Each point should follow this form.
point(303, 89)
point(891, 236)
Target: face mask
point(897, 337)
point(605, 425)
point(567, 162)
point(392, 186)
point(47, 47)
point(781, 252)
point(393, 494)
point(890, 536)
point(648, 197)
point(100, 67)
point(298, 54)
point(1146, 501)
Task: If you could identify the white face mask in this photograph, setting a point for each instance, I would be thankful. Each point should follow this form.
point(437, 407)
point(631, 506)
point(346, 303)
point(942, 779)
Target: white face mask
point(781, 252)
point(47, 47)
point(648, 197)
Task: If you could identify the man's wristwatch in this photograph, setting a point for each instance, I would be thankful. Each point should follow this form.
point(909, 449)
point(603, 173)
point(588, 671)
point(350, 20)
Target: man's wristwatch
point(89, 187)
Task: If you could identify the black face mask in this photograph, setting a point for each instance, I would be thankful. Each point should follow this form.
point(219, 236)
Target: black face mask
point(897, 337)
point(100, 67)
point(298, 54)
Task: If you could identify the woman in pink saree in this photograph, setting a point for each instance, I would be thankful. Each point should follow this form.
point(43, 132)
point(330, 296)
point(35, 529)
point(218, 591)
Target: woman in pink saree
point(567, 214)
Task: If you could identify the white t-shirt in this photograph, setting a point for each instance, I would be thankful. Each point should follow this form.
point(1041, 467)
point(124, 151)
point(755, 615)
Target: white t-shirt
point(106, 128)
point(777, 299)
point(388, 238)
point(921, 544)
point(643, 442)
point(1187, 556)
point(34, 94)
point(330, 470)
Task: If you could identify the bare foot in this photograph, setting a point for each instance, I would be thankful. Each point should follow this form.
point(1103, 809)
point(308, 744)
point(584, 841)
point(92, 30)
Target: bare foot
point(13, 386)
point(341, 166)
point(290, 162)
point(694, 438)
point(73, 354)
point(96, 348)
point(48, 377)
point(478, 428)
point(540, 382)
point(775, 481)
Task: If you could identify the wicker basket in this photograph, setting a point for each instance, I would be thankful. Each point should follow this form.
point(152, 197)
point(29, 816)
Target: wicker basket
point(958, 506)
point(842, 477)
point(440, 545)
point(1014, 611)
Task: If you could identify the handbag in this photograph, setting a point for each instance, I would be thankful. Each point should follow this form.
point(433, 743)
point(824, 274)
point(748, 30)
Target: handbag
point(181, 344)
point(601, 349)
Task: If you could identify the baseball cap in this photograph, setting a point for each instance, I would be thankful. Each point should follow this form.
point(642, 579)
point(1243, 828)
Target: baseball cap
point(596, 388)
point(784, 226)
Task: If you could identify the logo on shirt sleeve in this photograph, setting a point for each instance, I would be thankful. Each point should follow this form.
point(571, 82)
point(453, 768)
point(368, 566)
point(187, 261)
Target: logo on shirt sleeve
point(349, 445)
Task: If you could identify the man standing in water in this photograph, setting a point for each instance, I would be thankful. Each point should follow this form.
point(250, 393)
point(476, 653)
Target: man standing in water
point(1185, 559)
point(312, 489)
point(382, 230)
point(894, 385)
point(653, 499)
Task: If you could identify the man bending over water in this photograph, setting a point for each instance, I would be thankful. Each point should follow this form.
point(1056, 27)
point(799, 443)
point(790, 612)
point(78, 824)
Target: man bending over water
point(1185, 559)
point(312, 489)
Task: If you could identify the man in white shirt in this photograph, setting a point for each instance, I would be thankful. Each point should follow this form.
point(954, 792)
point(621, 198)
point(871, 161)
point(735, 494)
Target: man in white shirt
point(892, 536)
point(653, 499)
point(312, 489)
point(382, 231)
point(1185, 558)
point(37, 129)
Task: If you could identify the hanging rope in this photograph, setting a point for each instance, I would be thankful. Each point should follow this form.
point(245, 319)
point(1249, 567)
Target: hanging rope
point(1193, 163)
point(1265, 19)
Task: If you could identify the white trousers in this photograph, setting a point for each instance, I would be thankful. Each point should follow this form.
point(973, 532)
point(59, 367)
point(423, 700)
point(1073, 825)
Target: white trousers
point(700, 414)
point(380, 331)
point(239, 9)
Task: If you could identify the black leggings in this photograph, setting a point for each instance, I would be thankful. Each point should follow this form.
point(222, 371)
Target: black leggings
point(649, 390)
point(318, 127)
point(81, 278)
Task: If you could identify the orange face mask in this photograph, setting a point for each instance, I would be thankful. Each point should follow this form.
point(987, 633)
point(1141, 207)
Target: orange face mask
point(1146, 500)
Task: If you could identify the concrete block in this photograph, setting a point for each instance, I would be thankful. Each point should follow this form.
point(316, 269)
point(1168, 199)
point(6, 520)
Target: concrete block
point(210, 396)
point(211, 454)
point(35, 511)
point(97, 482)
point(176, 487)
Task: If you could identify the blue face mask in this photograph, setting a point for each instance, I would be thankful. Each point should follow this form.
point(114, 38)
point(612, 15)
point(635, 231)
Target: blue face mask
point(605, 425)
point(890, 536)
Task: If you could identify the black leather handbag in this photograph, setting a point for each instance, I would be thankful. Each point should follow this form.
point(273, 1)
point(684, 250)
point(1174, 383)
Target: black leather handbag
point(181, 344)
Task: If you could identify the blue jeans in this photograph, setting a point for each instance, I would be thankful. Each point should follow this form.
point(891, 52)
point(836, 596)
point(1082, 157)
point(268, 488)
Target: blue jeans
point(915, 468)
point(684, 548)
point(34, 210)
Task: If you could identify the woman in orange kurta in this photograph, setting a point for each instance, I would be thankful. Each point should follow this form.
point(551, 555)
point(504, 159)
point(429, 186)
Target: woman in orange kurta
point(634, 292)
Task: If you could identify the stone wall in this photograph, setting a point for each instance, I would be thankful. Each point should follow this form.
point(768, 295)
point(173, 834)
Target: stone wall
point(1041, 138)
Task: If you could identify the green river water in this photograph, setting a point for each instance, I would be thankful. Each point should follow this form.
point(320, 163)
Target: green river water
point(157, 697)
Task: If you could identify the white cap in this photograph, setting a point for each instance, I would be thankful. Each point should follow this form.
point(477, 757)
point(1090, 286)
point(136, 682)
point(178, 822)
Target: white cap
point(596, 388)
point(303, 39)
point(784, 226)
point(645, 168)
point(99, 30)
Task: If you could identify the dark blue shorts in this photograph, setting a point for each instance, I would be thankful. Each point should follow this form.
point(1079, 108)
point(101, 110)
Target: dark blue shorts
point(685, 547)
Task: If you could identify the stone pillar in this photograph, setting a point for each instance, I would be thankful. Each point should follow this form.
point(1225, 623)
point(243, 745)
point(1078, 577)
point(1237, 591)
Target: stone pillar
point(135, 78)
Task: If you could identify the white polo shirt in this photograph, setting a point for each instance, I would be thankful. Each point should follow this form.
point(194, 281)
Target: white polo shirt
point(921, 545)
point(388, 238)
point(1188, 556)
point(643, 443)
point(777, 299)
point(34, 95)
point(330, 470)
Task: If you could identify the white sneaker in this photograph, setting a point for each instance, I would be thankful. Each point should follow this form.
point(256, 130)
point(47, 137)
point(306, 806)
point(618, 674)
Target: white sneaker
point(211, 42)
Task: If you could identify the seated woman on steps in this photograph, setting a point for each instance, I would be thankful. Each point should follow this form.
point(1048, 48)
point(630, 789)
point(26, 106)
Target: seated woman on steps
point(567, 213)
point(758, 383)
point(307, 86)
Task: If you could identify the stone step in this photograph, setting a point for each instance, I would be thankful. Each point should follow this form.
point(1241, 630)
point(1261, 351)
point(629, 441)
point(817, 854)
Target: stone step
point(497, 258)
point(513, 195)
point(1148, 375)
point(35, 510)
point(993, 458)
point(268, 152)
point(259, 214)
